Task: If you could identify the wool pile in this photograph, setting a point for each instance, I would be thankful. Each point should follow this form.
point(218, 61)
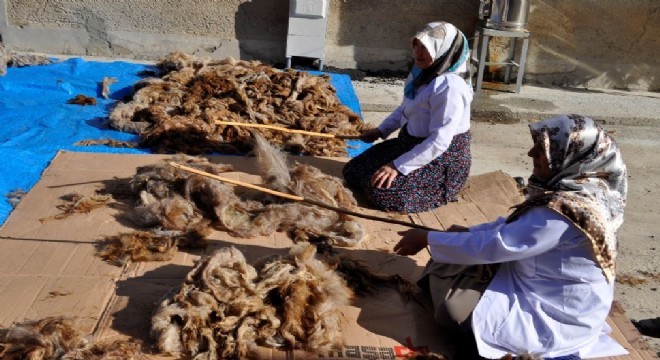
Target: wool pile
point(227, 307)
point(177, 112)
point(58, 338)
point(178, 205)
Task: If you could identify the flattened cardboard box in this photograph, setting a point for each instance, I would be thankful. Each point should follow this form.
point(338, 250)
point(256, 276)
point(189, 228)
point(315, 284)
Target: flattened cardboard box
point(48, 268)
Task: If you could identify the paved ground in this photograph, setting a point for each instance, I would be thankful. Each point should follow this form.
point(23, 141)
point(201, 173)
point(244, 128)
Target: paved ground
point(501, 140)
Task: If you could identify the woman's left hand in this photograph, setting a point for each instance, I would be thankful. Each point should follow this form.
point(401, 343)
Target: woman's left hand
point(384, 176)
point(413, 241)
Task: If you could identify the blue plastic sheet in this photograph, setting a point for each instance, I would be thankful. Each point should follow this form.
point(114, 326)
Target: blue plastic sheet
point(36, 121)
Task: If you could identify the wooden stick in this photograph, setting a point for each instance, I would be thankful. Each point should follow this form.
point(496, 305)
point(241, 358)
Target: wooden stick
point(300, 198)
point(236, 182)
point(293, 131)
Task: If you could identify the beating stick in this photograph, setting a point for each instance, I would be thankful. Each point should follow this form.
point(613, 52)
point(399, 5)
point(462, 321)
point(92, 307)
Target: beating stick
point(293, 131)
point(300, 198)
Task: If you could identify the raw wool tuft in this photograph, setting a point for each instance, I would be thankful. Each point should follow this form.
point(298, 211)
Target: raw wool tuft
point(108, 142)
point(21, 60)
point(82, 100)
point(105, 86)
point(178, 60)
point(10, 59)
point(312, 184)
point(177, 112)
point(272, 164)
point(151, 245)
point(363, 280)
point(176, 200)
point(75, 203)
point(15, 197)
point(247, 219)
point(226, 307)
point(300, 218)
point(56, 338)
point(118, 350)
point(123, 117)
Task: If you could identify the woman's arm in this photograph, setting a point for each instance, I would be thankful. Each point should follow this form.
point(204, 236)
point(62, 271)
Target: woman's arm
point(535, 232)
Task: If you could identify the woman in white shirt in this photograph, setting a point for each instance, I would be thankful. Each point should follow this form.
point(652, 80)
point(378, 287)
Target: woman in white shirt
point(553, 287)
point(428, 163)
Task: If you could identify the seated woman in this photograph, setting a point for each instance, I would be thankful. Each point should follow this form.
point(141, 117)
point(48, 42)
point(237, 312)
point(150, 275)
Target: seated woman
point(429, 162)
point(553, 288)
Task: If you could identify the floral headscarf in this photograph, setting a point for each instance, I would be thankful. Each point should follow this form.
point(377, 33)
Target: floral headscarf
point(588, 184)
point(449, 49)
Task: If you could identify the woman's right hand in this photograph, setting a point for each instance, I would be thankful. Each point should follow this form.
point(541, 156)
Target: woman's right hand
point(412, 242)
point(370, 135)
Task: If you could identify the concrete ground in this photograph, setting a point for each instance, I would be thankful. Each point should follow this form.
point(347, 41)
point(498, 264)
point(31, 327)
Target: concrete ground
point(501, 141)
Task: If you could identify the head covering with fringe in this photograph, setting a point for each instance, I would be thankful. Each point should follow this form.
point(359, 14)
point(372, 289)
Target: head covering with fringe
point(588, 183)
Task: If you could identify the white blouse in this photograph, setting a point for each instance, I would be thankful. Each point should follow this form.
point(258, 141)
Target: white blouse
point(440, 110)
point(549, 297)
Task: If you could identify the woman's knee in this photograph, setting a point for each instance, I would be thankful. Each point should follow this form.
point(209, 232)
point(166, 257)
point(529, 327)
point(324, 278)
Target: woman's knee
point(351, 174)
point(446, 318)
point(387, 200)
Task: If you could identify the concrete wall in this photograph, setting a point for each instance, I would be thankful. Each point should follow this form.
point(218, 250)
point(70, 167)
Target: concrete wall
point(596, 43)
point(592, 43)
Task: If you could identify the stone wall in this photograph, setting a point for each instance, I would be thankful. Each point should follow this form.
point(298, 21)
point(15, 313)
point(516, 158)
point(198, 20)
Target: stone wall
point(582, 43)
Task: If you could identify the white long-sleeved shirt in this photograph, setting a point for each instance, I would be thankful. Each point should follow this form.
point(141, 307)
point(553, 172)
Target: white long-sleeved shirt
point(440, 110)
point(549, 296)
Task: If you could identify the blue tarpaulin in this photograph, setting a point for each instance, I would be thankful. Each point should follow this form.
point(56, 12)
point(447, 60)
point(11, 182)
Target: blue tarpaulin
point(36, 121)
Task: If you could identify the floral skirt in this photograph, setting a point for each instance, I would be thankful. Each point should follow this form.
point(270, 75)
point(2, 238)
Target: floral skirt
point(426, 188)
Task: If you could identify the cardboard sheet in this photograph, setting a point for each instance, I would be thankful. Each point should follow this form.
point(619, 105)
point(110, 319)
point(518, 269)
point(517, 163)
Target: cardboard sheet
point(48, 267)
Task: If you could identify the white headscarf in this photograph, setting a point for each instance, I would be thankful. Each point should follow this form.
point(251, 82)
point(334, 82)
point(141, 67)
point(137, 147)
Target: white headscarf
point(438, 37)
point(449, 49)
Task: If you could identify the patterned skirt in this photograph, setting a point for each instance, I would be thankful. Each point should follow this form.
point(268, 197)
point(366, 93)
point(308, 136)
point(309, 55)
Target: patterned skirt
point(426, 188)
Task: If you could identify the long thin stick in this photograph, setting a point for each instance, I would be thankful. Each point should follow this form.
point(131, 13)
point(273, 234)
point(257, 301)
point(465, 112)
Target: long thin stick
point(236, 182)
point(293, 131)
point(300, 198)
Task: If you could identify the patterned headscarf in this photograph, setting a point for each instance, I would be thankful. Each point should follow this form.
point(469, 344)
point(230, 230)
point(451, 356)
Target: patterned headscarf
point(449, 49)
point(588, 183)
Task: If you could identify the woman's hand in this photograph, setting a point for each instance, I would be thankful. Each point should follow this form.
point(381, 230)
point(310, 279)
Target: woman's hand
point(413, 241)
point(370, 135)
point(384, 176)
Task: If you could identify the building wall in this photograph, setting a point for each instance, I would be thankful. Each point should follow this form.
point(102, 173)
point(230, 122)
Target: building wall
point(582, 43)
